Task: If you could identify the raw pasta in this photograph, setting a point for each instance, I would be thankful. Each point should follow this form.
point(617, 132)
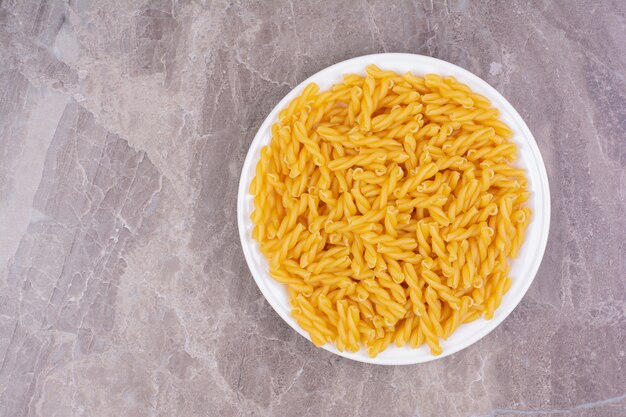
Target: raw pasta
point(388, 206)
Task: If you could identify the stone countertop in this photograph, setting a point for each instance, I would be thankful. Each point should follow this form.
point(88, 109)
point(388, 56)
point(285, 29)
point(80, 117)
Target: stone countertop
point(123, 287)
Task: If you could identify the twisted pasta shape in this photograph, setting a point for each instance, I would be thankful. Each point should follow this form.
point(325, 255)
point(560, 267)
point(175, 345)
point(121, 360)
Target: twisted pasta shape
point(389, 207)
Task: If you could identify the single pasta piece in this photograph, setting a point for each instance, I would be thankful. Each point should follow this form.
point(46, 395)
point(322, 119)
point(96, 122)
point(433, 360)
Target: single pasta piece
point(389, 207)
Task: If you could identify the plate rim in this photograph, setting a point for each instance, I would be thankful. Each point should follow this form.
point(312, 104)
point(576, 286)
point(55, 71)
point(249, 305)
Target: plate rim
point(544, 217)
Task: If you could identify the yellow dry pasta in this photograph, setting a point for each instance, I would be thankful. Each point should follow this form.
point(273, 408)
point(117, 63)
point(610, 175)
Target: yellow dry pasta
point(389, 206)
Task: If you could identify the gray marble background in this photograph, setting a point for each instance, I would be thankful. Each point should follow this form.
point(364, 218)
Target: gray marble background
point(123, 128)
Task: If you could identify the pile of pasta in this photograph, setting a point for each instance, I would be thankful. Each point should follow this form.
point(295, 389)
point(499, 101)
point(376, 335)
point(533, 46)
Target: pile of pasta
point(388, 206)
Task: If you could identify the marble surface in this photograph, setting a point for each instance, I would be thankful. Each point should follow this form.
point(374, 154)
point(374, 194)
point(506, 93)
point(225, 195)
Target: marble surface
point(123, 129)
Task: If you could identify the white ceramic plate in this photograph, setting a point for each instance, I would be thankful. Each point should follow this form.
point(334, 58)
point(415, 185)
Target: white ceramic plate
point(523, 269)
